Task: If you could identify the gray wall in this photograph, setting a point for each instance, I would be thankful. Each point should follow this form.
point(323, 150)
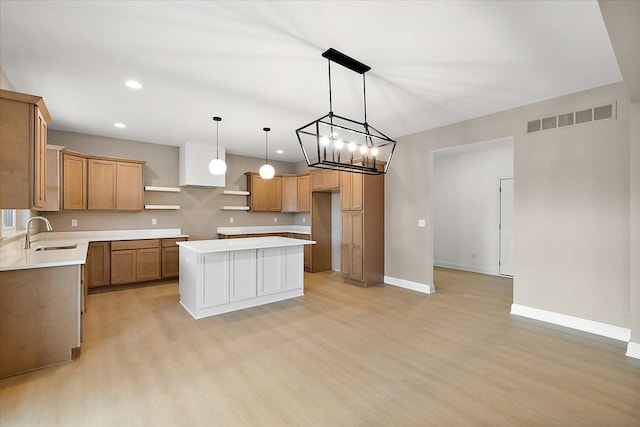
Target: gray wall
point(200, 211)
point(635, 222)
point(571, 206)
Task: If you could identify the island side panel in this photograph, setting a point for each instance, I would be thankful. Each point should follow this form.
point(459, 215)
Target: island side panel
point(190, 279)
point(293, 268)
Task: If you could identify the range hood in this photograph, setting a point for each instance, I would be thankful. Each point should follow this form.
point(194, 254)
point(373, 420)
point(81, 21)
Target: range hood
point(194, 166)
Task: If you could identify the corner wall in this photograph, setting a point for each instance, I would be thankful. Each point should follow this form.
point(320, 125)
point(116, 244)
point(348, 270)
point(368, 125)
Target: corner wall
point(571, 206)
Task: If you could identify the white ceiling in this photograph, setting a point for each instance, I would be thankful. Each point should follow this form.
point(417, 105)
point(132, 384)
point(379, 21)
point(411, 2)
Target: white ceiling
point(259, 64)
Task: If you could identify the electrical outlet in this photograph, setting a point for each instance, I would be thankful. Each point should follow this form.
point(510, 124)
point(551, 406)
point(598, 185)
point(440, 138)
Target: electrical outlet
point(304, 219)
point(231, 220)
point(74, 222)
point(154, 221)
point(422, 223)
point(275, 219)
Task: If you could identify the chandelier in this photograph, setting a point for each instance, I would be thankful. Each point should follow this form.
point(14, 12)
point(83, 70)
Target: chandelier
point(339, 143)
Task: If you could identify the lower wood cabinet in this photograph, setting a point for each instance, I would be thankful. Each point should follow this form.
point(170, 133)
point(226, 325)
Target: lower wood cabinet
point(351, 228)
point(131, 261)
point(171, 257)
point(98, 266)
point(135, 261)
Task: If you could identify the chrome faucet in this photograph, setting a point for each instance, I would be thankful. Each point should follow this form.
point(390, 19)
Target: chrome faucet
point(27, 242)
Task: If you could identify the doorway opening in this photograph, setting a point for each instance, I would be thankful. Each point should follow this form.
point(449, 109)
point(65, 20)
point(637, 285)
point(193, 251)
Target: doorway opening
point(466, 206)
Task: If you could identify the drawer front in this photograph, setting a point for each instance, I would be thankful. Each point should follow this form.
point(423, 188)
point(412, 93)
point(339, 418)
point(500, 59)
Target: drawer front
point(134, 244)
point(168, 243)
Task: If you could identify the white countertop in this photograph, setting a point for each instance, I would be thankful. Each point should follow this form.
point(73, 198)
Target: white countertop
point(13, 256)
point(228, 245)
point(258, 229)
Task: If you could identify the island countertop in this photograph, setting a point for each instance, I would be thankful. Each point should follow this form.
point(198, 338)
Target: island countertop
point(227, 245)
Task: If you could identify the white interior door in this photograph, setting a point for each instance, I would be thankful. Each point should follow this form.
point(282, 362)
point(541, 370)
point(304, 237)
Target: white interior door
point(506, 227)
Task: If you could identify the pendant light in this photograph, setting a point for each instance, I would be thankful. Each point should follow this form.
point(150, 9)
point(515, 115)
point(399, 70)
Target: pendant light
point(266, 171)
point(217, 166)
point(360, 148)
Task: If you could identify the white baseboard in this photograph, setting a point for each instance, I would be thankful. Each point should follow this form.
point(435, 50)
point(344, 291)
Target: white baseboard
point(464, 267)
point(633, 349)
point(407, 284)
point(598, 328)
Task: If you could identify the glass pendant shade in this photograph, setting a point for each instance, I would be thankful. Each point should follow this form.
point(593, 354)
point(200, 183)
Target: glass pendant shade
point(217, 166)
point(267, 171)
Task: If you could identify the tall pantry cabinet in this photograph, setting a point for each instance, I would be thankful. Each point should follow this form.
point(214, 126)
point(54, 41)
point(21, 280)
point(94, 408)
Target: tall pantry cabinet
point(362, 228)
point(23, 151)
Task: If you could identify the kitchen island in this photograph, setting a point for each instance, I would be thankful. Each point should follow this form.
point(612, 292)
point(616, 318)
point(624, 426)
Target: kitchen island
point(219, 276)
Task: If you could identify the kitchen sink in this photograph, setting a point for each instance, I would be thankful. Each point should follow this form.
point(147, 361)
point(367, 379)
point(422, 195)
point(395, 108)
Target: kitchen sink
point(55, 248)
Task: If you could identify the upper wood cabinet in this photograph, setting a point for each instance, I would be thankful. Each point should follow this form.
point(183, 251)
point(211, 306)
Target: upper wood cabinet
point(101, 184)
point(265, 194)
point(74, 181)
point(289, 193)
point(129, 186)
point(304, 193)
point(325, 180)
point(23, 150)
point(115, 185)
point(351, 191)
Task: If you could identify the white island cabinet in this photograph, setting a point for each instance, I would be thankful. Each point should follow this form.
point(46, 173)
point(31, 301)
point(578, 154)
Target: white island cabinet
point(219, 276)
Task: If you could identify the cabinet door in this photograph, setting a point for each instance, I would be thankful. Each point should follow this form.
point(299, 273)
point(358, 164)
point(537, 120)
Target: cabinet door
point(317, 180)
point(293, 267)
point(215, 279)
point(304, 194)
point(289, 194)
point(123, 266)
point(258, 197)
point(148, 264)
point(270, 271)
point(274, 194)
point(40, 161)
point(74, 182)
point(101, 184)
point(242, 280)
point(98, 267)
point(129, 186)
point(351, 191)
point(331, 179)
point(351, 250)
point(170, 262)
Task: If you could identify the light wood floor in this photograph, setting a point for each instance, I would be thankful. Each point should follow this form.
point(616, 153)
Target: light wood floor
point(339, 356)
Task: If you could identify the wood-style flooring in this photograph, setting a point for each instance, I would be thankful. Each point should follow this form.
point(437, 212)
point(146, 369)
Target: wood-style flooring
point(339, 356)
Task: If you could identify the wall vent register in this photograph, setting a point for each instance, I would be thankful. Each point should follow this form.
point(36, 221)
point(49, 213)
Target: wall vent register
point(588, 115)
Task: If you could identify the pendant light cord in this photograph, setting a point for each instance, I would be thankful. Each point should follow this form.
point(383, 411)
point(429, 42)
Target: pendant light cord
point(217, 140)
point(266, 144)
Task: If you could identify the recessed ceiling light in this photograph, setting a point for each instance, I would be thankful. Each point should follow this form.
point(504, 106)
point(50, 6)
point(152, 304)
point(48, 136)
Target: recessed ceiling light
point(133, 84)
point(279, 151)
point(120, 125)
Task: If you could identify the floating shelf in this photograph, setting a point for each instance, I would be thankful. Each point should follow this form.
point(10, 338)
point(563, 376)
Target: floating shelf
point(236, 192)
point(235, 208)
point(167, 189)
point(168, 207)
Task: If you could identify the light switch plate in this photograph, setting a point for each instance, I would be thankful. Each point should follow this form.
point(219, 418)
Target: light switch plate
point(422, 223)
point(154, 221)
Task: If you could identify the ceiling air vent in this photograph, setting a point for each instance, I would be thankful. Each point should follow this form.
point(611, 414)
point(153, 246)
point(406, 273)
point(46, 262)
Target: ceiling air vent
point(584, 116)
point(565, 120)
point(533, 126)
point(601, 112)
point(549, 123)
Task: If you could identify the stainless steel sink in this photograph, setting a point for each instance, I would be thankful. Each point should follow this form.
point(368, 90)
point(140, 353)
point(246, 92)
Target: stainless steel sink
point(55, 248)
